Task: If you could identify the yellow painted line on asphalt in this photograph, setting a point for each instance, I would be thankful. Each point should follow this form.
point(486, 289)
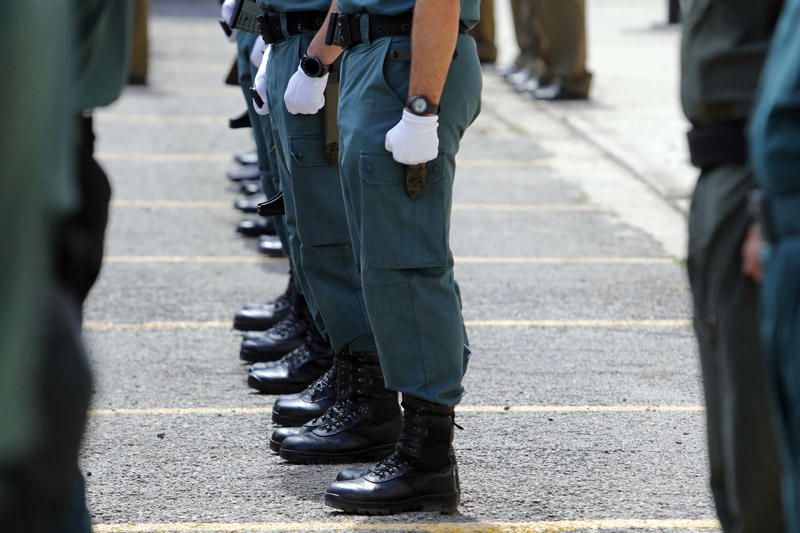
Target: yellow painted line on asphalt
point(172, 204)
point(156, 325)
point(511, 208)
point(190, 324)
point(544, 526)
point(191, 66)
point(578, 323)
point(171, 119)
point(193, 157)
point(173, 157)
point(545, 208)
point(473, 409)
point(193, 259)
point(254, 259)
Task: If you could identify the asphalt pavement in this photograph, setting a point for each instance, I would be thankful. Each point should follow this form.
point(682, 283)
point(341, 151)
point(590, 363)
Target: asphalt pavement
point(583, 409)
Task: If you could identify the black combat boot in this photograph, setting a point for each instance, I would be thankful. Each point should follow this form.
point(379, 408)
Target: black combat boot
point(319, 399)
point(261, 317)
point(283, 337)
point(421, 474)
point(296, 409)
point(365, 424)
point(294, 371)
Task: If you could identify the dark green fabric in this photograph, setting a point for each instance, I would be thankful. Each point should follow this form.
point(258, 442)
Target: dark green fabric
point(262, 131)
point(403, 244)
point(315, 213)
point(101, 50)
point(724, 46)
point(774, 137)
point(30, 167)
point(743, 453)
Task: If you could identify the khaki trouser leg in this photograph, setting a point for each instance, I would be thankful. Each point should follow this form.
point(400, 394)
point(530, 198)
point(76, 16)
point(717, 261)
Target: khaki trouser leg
point(140, 49)
point(484, 33)
point(564, 23)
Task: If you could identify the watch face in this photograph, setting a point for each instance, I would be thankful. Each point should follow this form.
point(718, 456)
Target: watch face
point(311, 66)
point(419, 105)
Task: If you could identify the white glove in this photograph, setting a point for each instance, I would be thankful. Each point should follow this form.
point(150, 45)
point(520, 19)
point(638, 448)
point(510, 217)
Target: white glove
point(305, 95)
point(226, 16)
point(414, 140)
point(257, 55)
point(260, 84)
point(227, 11)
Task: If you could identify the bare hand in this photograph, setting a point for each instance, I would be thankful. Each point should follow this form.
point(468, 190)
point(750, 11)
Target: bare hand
point(751, 253)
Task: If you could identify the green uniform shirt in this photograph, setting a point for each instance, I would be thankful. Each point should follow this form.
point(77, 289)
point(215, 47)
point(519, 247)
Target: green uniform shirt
point(470, 9)
point(724, 45)
point(103, 30)
point(286, 6)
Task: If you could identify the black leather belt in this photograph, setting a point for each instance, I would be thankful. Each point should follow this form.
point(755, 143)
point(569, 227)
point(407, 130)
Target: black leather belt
point(345, 30)
point(721, 144)
point(297, 22)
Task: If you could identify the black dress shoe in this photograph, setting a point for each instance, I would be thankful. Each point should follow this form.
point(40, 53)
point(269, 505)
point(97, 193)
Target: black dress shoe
point(297, 409)
point(260, 317)
point(282, 338)
point(243, 174)
point(421, 474)
point(294, 371)
point(270, 246)
point(242, 121)
point(246, 158)
point(249, 204)
point(255, 227)
point(249, 188)
point(364, 422)
point(555, 92)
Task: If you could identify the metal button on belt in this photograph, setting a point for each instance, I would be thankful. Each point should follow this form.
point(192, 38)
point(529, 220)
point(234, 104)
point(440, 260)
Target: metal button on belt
point(299, 156)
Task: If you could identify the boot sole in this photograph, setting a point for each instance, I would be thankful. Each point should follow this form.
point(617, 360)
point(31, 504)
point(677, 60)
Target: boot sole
point(442, 503)
point(252, 357)
point(276, 388)
point(360, 456)
point(252, 325)
point(291, 422)
point(274, 445)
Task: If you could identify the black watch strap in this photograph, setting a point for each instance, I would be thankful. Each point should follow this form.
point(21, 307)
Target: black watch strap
point(421, 105)
point(313, 67)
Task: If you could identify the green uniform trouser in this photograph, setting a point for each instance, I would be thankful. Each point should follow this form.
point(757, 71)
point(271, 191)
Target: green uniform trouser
point(774, 130)
point(564, 24)
point(262, 131)
point(782, 334)
point(402, 243)
point(743, 453)
point(315, 212)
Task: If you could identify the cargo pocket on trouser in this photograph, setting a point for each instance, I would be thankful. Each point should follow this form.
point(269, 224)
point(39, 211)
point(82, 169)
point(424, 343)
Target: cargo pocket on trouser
point(317, 192)
point(408, 284)
point(398, 232)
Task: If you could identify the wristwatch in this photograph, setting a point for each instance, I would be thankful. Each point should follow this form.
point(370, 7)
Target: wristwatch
point(313, 67)
point(421, 105)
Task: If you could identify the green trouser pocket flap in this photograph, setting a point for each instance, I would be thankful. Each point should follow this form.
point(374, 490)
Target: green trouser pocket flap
point(399, 232)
